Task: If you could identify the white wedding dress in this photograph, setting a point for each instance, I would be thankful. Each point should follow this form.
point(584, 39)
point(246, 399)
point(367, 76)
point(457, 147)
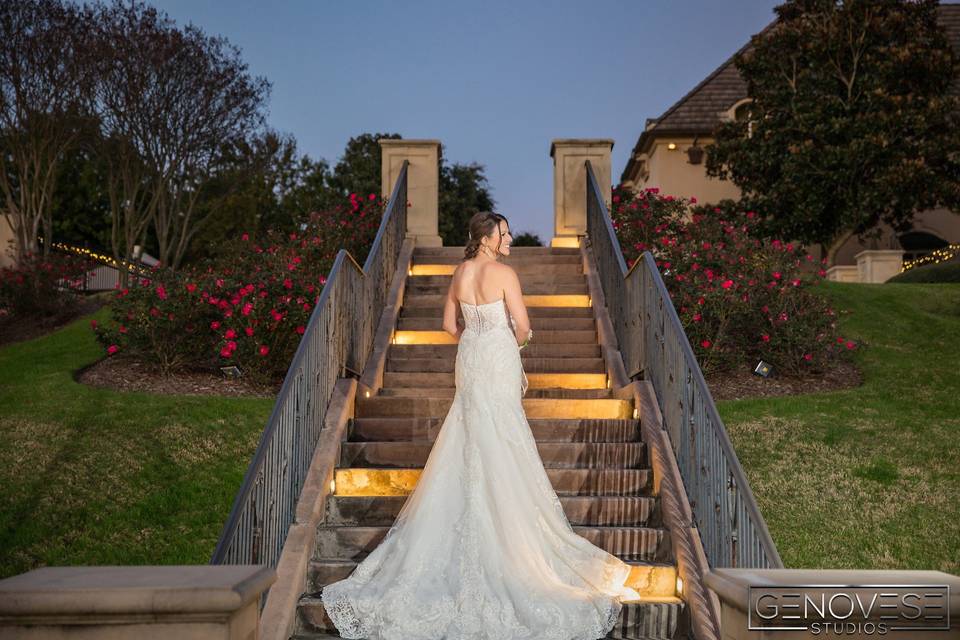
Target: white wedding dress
point(482, 548)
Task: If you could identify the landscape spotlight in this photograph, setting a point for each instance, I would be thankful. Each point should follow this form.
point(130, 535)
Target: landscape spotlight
point(230, 372)
point(764, 369)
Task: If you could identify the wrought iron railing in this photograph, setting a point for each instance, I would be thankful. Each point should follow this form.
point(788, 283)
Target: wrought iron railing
point(654, 345)
point(337, 340)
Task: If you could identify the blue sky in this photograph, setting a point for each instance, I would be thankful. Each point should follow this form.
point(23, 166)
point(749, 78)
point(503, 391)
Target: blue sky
point(494, 81)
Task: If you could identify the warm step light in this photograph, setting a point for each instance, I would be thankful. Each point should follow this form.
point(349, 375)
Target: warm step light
point(565, 380)
point(653, 581)
point(432, 269)
point(423, 337)
point(566, 242)
point(376, 482)
point(557, 300)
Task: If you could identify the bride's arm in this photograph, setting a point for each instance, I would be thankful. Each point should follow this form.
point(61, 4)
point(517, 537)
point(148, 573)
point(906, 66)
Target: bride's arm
point(515, 305)
point(450, 309)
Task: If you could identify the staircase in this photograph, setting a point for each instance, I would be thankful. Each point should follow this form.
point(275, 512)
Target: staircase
point(589, 440)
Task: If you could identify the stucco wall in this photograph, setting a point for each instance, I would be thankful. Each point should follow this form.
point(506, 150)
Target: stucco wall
point(6, 240)
point(671, 172)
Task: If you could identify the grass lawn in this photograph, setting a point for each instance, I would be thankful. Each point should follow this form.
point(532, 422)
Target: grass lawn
point(867, 477)
point(90, 476)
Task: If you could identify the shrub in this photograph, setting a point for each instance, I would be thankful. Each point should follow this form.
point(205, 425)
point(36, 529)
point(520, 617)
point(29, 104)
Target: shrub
point(740, 297)
point(933, 273)
point(43, 287)
point(248, 307)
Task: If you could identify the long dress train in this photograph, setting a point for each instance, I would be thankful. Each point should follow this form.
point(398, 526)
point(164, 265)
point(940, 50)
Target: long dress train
point(482, 548)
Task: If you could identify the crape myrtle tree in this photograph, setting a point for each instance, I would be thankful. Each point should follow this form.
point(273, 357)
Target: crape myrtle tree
point(851, 123)
point(170, 100)
point(45, 72)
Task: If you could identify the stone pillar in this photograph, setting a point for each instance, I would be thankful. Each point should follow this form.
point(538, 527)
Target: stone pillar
point(570, 184)
point(192, 602)
point(879, 265)
point(423, 185)
point(786, 604)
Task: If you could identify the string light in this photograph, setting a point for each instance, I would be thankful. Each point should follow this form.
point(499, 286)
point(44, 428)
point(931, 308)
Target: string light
point(934, 257)
point(100, 257)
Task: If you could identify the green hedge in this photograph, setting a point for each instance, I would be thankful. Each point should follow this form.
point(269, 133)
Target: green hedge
point(943, 272)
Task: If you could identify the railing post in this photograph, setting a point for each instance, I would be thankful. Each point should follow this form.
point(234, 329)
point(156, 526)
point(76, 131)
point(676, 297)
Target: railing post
point(570, 184)
point(423, 184)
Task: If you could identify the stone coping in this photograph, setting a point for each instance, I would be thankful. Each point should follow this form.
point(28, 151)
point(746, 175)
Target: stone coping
point(148, 589)
point(731, 585)
point(580, 142)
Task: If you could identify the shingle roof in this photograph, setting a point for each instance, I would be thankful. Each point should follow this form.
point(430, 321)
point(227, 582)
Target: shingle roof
point(699, 111)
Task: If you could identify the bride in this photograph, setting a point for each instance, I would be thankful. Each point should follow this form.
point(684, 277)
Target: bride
point(482, 548)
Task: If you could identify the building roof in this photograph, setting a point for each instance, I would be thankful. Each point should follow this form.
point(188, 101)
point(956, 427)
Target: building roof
point(698, 112)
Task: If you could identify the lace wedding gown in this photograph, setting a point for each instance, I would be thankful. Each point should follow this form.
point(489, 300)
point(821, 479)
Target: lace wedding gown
point(482, 548)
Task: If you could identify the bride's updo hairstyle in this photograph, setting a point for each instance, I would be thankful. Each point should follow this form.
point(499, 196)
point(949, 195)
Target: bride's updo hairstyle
point(482, 224)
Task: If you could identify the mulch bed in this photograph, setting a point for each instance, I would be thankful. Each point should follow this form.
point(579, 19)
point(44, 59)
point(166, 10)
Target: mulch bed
point(126, 374)
point(743, 383)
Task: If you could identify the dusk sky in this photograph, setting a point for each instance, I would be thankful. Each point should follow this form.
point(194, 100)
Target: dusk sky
point(495, 82)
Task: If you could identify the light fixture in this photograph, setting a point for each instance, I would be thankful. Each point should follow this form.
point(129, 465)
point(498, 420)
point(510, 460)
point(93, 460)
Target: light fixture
point(366, 394)
point(333, 486)
point(672, 146)
point(231, 372)
point(636, 413)
point(679, 585)
point(764, 369)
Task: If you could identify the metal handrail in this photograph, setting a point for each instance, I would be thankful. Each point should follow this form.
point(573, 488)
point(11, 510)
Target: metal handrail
point(653, 343)
point(338, 338)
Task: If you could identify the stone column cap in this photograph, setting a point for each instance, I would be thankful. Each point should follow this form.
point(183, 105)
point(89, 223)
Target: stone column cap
point(405, 142)
point(148, 589)
point(731, 585)
point(583, 142)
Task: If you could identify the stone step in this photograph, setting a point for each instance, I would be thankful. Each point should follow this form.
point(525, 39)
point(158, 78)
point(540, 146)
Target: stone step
point(526, 279)
point(533, 312)
point(530, 365)
point(533, 408)
point(514, 251)
point(532, 350)
point(538, 381)
point(536, 323)
point(360, 481)
point(648, 619)
point(544, 429)
point(533, 288)
point(542, 337)
point(320, 573)
point(529, 299)
point(598, 511)
point(512, 260)
point(427, 266)
point(448, 392)
point(628, 543)
point(578, 455)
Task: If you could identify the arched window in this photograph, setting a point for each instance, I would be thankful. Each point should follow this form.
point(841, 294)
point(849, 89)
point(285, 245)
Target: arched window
point(743, 111)
point(916, 244)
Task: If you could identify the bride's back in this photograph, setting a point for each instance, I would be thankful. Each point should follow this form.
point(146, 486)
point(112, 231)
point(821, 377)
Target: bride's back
point(479, 281)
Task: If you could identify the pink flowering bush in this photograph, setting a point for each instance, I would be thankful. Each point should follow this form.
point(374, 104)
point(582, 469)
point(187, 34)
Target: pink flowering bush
point(41, 287)
point(740, 297)
point(249, 307)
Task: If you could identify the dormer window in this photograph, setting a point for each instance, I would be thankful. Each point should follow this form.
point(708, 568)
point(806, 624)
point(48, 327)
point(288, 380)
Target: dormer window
point(743, 112)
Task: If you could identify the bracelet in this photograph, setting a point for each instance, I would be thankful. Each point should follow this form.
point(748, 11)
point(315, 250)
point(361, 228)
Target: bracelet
point(527, 341)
